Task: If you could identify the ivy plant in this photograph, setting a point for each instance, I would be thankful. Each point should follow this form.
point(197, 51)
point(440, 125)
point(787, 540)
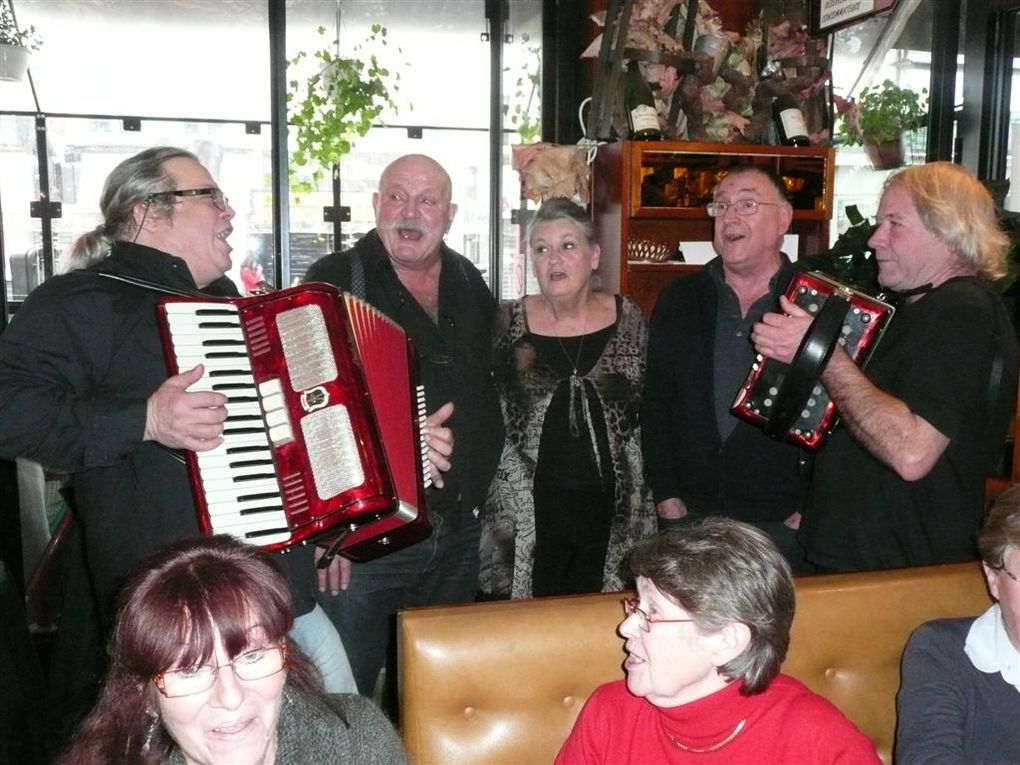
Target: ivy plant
point(11, 35)
point(336, 105)
point(524, 107)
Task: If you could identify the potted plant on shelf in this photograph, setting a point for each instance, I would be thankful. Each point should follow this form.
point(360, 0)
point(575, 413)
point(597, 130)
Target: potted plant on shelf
point(15, 45)
point(879, 119)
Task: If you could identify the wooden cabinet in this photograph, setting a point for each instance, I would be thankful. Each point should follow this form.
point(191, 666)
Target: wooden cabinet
point(648, 196)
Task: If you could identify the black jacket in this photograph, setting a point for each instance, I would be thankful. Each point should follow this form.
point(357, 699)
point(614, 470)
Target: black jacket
point(750, 476)
point(77, 365)
point(454, 357)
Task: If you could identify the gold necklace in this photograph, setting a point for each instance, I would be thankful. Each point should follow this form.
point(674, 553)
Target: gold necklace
point(703, 750)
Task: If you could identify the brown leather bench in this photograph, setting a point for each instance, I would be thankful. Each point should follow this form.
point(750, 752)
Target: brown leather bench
point(503, 682)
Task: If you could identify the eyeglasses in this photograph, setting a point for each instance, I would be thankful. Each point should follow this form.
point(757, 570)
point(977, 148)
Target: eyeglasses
point(645, 622)
point(742, 206)
point(1007, 572)
point(215, 194)
point(250, 665)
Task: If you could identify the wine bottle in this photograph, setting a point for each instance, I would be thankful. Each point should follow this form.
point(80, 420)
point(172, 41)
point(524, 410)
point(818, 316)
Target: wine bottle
point(640, 104)
point(791, 126)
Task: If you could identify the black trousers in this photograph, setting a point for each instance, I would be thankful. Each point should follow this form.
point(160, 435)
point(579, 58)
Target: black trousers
point(571, 537)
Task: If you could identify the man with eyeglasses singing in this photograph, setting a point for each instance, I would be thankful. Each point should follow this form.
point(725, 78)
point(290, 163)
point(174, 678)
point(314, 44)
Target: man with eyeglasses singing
point(84, 391)
point(699, 458)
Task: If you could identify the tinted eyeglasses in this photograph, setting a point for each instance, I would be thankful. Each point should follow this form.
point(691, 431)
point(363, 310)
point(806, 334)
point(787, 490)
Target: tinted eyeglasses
point(250, 665)
point(215, 194)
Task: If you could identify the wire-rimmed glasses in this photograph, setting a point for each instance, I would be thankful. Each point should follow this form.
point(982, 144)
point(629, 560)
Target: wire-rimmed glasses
point(742, 207)
point(1007, 572)
point(250, 665)
point(216, 195)
point(645, 622)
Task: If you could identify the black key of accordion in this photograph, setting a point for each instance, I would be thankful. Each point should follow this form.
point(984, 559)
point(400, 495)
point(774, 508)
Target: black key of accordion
point(219, 325)
point(246, 449)
point(253, 477)
point(248, 463)
point(265, 532)
point(255, 497)
point(241, 431)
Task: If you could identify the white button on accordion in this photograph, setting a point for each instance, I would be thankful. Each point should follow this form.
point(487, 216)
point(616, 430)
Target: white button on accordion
point(323, 437)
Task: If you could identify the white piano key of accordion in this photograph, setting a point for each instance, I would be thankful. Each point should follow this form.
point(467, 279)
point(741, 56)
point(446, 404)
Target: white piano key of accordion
point(253, 507)
point(238, 468)
point(219, 488)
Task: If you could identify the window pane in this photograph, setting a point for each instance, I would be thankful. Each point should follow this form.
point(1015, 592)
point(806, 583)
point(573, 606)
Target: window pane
point(149, 59)
point(865, 55)
point(522, 123)
point(435, 47)
point(82, 152)
point(464, 153)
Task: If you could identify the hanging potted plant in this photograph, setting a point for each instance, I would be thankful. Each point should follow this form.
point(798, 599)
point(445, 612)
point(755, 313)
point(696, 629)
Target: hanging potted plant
point(338, 103)
point(15, 45)
point(879, 120)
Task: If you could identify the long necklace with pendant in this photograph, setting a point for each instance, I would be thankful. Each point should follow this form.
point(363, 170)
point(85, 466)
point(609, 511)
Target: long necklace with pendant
point(576, 386)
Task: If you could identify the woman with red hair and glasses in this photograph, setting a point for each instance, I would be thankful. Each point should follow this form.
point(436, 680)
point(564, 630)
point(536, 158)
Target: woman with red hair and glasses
point(202, 673)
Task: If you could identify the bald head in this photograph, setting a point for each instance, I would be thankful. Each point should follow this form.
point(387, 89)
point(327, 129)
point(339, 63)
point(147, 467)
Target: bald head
point(413, 210)
point(420, 165)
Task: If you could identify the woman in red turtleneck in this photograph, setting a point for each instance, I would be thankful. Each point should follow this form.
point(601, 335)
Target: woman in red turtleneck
point(704, 640)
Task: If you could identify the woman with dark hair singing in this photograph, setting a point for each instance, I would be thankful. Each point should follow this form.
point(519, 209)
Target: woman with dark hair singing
point(704, 641)
point(202, 673)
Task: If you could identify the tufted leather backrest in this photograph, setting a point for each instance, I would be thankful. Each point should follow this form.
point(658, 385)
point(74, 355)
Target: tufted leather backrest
point(502, 683)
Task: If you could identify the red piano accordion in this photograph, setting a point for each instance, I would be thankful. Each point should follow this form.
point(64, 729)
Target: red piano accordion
point(323, 437)
point(787, 400)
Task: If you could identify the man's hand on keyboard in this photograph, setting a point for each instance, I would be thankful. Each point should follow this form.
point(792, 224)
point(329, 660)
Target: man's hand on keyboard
point(439, 440)
point(182, 420)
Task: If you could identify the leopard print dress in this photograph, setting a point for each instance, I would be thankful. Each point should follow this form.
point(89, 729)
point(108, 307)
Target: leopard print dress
point(526, 387)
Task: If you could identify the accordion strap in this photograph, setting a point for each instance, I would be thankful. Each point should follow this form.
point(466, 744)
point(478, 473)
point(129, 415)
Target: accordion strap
point(153, 286)
point(814, 352)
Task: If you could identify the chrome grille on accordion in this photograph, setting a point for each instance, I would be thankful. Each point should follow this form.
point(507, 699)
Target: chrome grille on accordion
point(323, 436)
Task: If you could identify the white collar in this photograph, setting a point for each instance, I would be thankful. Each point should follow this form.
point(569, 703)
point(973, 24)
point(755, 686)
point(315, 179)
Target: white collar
point(989, 648)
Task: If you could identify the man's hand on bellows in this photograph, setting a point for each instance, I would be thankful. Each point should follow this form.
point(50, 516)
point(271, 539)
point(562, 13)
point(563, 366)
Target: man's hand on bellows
point(439, 440)
point(182, 420)
point(778, 335)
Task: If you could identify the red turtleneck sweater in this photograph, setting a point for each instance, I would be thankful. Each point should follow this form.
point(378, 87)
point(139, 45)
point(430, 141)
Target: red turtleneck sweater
point(785, 724)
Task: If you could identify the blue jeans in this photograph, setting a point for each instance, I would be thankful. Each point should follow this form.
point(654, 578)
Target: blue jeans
point(440, 569)
point(315, 634)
